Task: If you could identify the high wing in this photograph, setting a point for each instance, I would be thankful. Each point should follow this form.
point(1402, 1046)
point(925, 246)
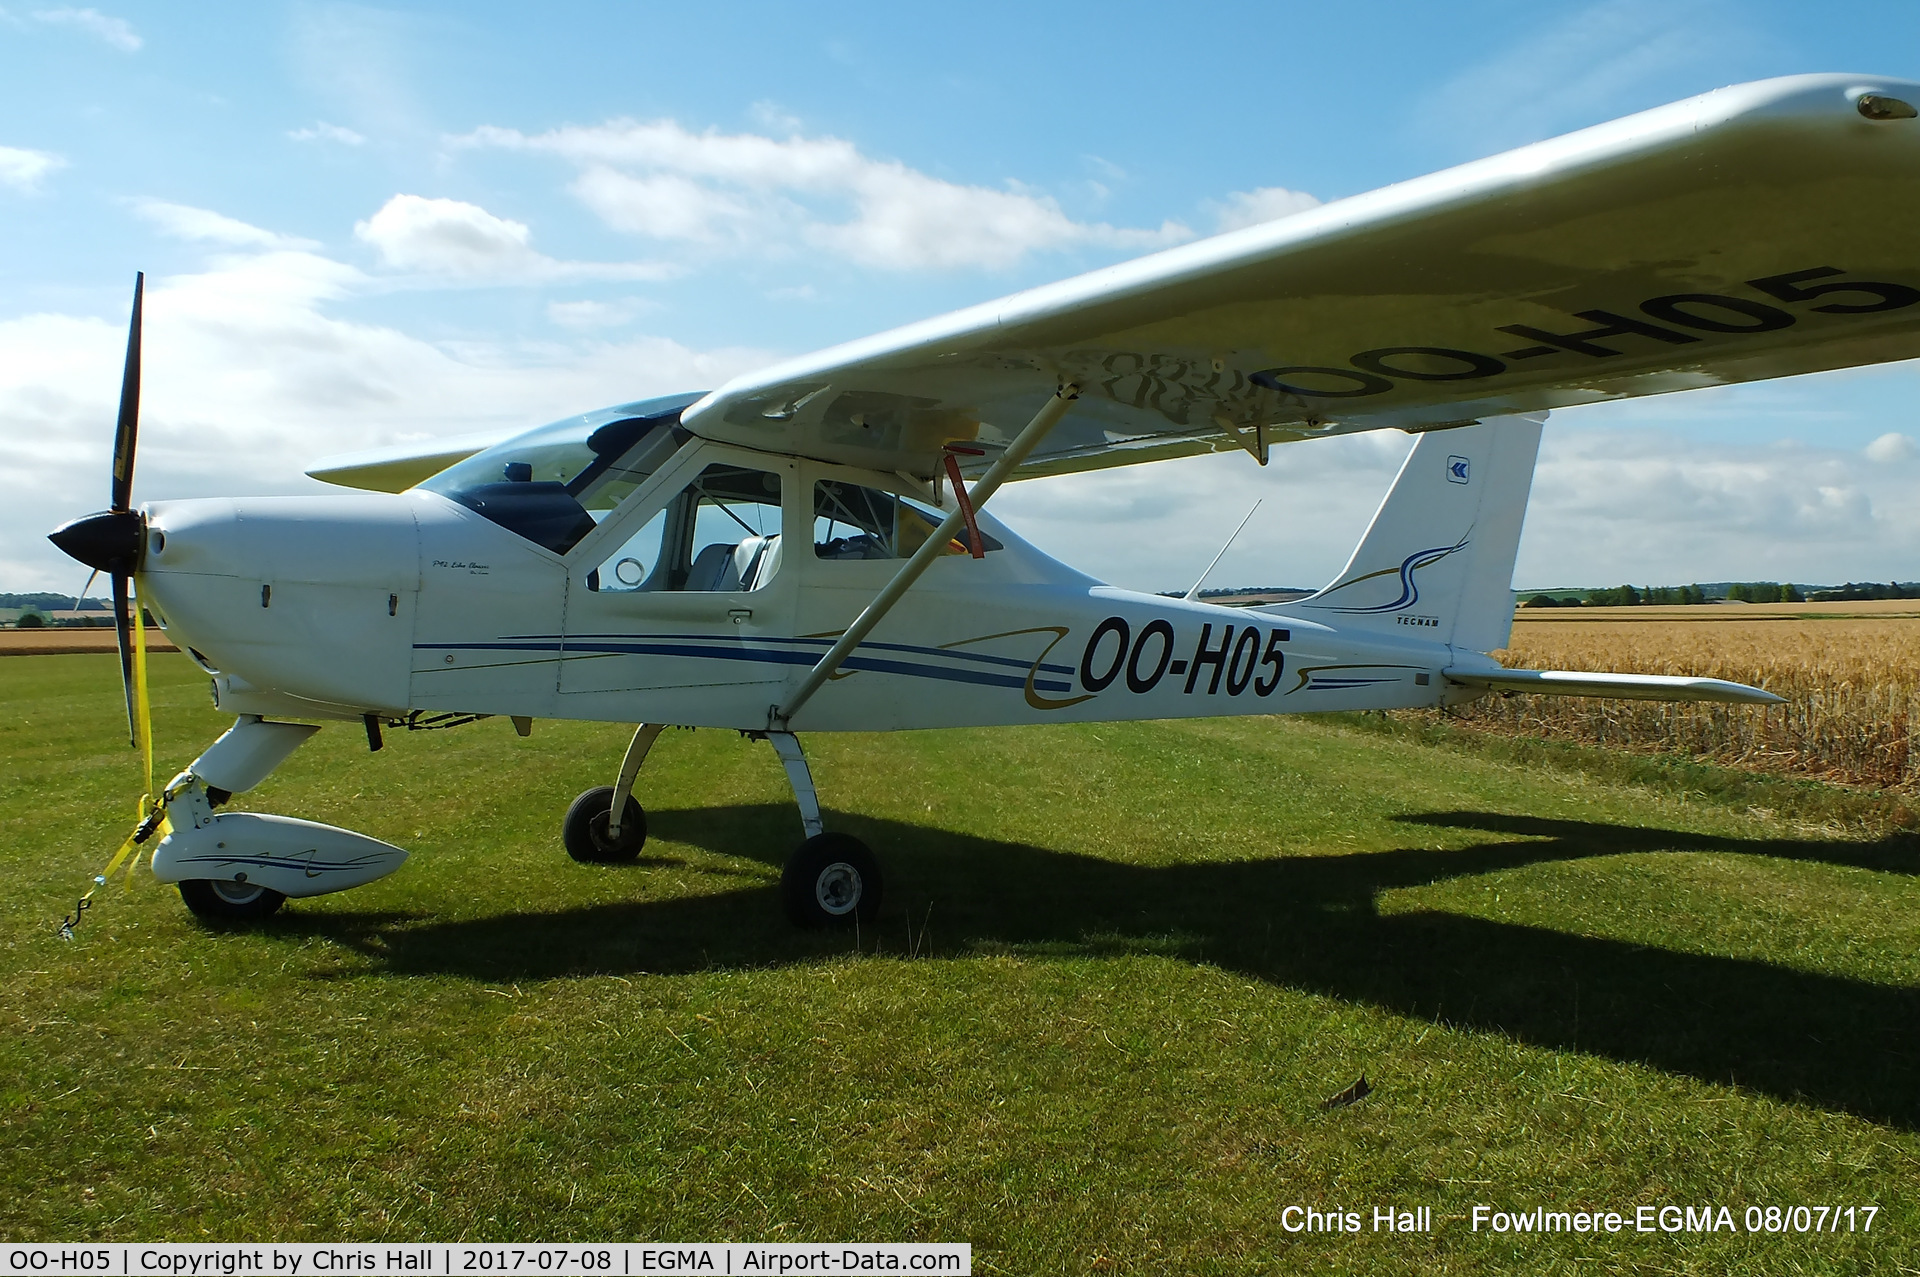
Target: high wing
point(1752, 232)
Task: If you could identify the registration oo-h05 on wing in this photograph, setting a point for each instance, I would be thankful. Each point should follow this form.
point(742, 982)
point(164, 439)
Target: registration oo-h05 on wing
point(805, 549)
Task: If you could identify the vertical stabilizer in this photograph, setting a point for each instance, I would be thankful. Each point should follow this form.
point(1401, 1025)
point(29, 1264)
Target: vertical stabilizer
point(1437, 560)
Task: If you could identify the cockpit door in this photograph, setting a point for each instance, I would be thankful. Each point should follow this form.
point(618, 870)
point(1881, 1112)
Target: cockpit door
point(689, 588)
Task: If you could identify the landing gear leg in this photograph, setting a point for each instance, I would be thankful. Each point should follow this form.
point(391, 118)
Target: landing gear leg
point(643, 738)
point(605, 825)
point(831, 880)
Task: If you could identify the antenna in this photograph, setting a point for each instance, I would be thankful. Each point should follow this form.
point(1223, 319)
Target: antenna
point(1189, 595)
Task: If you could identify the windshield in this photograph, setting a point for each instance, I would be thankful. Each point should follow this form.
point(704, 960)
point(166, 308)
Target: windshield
point(549, 484)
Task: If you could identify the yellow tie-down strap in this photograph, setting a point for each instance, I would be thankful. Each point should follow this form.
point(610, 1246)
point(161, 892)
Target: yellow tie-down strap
point(151, 817)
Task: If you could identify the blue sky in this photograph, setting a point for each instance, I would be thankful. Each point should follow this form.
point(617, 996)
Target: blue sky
point(365, 224)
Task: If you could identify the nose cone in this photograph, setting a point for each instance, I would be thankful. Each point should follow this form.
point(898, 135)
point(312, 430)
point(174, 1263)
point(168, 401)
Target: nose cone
point(106, 542)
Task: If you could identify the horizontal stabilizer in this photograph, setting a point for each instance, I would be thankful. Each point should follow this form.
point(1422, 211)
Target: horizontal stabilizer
point(1631, 687)
point(400, 466)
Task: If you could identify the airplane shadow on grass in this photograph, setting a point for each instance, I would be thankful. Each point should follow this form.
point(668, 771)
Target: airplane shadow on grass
point(1306, 922)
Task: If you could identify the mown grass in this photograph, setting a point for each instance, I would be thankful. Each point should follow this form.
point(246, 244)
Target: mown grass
point(1120, 968)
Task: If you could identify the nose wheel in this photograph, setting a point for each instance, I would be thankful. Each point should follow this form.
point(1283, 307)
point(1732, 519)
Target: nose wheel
point(224, 900)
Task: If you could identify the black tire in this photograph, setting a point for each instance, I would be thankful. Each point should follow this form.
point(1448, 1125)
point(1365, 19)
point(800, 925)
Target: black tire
point(585, 829)
point(831, 880)
point(221, 900)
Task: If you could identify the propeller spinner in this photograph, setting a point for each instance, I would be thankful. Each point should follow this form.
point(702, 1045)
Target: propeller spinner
point(112, 540)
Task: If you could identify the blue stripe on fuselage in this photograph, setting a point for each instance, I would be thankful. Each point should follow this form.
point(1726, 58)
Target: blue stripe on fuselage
point(702, 647)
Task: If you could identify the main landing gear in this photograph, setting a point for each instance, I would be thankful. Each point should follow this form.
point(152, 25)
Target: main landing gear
point(591, 832)
point(830, 880)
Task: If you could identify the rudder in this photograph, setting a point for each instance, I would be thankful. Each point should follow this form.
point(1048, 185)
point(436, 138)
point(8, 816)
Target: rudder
point(1437, 560)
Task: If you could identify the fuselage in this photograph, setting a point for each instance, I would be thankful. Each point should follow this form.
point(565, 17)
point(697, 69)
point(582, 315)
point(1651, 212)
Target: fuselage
point(340, 606)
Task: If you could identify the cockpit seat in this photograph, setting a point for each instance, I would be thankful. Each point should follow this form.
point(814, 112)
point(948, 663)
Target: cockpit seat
point(747, 565)
point(713, 570)
point(756, 559)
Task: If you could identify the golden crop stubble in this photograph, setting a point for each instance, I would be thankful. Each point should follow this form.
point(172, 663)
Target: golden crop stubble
point(1852, 688)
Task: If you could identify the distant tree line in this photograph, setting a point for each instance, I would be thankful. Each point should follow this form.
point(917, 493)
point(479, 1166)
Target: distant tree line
point(1681, 595)
point(44, 602)
point(35, 619)
point(1852, 593)
point(1764, 592)
point(34, 609)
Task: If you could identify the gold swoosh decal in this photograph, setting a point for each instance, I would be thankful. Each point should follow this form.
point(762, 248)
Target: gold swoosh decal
point(1034, 698)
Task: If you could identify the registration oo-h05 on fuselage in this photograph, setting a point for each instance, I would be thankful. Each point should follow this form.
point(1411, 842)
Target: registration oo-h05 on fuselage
point(804, 548)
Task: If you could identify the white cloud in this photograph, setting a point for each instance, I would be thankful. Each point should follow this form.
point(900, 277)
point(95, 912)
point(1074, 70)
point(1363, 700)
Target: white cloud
point(664, 206)
point(22, 169)
point(455, 240)
point(1612, 503)
point(114, 31)
point(587, 315)
point(324, 132)
point(183, 221)
point(446, 236)
point(1266, 204)
point(249, 378)
point(1643, 505)
point(906, 220)
point(1890, 448)
point(752, 193)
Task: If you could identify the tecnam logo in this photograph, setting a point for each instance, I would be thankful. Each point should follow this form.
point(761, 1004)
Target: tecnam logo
point(1457, 468)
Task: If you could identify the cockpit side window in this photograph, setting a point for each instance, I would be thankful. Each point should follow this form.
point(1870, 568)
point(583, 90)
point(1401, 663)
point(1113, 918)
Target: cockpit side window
point(854, 522)
point(719, 534)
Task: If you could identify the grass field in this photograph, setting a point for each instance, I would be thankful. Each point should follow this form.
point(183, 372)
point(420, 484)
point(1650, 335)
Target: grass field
point(1120, 968)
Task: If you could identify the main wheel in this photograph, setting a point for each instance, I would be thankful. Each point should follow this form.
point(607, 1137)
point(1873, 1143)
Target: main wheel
point(224, 900)
point(831, 880)
point(585, 829)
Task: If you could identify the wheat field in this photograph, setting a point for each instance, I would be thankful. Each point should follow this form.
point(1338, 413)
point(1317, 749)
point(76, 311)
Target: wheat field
point(1852, 685)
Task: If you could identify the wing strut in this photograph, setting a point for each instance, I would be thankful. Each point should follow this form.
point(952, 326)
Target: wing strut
point(932, 548)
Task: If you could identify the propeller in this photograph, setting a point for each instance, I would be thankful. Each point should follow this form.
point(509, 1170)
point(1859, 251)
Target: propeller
point(111, 541)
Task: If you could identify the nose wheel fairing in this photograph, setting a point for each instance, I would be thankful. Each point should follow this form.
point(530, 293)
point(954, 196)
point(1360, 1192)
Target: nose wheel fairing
point(280, 853)
point(239, 865)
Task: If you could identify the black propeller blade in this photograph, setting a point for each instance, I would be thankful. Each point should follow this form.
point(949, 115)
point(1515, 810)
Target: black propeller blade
point(123, 634)
point(126, 433)
point(126, 438)
point(112, 540)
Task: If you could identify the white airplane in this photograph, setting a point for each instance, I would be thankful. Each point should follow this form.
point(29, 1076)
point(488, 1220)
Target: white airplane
point(799, 550)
